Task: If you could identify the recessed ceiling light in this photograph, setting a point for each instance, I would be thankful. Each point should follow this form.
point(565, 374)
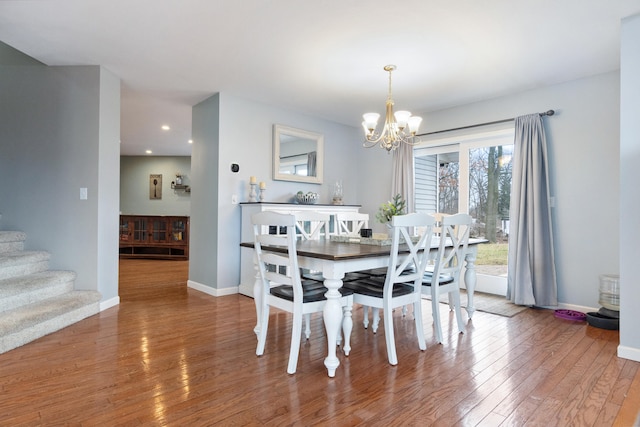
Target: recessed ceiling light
point(165, 127)
point(191, 141)
point(148, 151)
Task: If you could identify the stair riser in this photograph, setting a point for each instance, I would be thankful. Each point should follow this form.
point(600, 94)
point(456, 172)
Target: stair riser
point(23, 269)
point(35, 295)
point(11, 247)
point(24, 336)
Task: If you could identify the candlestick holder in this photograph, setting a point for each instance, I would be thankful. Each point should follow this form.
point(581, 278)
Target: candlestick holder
point(262, 190)
point(252, 193)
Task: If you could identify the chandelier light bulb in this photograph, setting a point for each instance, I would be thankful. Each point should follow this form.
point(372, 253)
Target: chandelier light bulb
point(402, 117)
point(371, 121)
point(414, 124)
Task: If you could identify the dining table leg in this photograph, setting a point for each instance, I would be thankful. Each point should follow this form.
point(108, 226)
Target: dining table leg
point(332, 316)
point(470, 277)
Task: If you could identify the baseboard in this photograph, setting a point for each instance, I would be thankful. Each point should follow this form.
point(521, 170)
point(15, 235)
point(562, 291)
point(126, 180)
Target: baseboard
point(112, 302)
point(246, 290)
point(212, 291)
point(574, 307)
point(629, 353)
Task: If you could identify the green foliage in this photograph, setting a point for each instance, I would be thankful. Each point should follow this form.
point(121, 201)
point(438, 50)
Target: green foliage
point(390, 209)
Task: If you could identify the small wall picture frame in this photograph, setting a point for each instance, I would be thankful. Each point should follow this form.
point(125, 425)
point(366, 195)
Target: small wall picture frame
point(155, 186)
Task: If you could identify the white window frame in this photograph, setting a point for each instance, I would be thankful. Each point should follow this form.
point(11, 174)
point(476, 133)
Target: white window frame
point(463, 143)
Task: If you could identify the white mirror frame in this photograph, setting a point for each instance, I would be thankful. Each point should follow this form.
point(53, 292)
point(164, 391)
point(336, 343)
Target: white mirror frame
point(278, 131)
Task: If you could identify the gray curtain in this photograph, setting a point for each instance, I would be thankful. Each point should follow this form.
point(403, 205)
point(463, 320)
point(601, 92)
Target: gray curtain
point(311, 163)
point(532, 271)
point(402, 175)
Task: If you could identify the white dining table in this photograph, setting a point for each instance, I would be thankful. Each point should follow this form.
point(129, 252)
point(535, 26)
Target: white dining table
point(335, 259)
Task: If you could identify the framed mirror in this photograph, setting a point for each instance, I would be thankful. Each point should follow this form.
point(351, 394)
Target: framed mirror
point(298, 155)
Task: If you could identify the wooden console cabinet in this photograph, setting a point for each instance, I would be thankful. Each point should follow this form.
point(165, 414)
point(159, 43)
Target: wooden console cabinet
point(145, 236)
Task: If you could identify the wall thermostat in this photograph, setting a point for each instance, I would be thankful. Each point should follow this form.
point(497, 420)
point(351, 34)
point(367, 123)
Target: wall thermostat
point(235, 167)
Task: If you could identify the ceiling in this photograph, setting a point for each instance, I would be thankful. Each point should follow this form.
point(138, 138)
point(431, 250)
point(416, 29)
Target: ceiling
point(323, 58)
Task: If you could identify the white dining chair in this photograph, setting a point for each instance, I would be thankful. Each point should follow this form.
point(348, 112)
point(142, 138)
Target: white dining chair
point(350, 223)
point(282, 287)
point(402, 284)
point(312, 225)
point(444, 276)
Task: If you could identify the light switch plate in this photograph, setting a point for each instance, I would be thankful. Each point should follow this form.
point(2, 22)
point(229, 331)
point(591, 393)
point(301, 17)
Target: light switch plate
point(83, 193)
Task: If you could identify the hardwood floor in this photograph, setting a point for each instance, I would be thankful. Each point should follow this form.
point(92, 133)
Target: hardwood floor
point(169, 355)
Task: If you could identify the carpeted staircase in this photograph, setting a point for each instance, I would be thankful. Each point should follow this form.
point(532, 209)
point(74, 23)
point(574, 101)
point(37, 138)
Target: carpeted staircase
point(35, 301)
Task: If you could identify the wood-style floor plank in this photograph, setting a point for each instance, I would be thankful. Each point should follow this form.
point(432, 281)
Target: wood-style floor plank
point(169, 355)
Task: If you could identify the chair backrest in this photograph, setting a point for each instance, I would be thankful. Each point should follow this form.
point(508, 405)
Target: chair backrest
point(312, 225)
point(454, 239)
point(350, 223)
point(437, 231)
point(400, 265)
point(277, 268)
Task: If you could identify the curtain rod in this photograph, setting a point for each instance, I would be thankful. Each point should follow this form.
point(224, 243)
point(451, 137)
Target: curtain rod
point(546, 113)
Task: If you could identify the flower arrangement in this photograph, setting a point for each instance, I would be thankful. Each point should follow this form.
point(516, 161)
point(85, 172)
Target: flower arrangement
point(390, 209)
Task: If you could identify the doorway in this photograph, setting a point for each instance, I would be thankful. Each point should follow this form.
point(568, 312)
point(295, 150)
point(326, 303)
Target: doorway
point(471, 173)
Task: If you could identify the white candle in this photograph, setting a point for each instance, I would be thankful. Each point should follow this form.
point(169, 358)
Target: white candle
point(252, 180)
point(263, 185)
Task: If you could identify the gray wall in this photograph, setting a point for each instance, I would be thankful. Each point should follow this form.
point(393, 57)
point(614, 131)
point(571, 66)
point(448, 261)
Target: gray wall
point(134, 185)
point(249, 143)
point(583, 140)
point(630, 195)
point(203, 243)
point(59, 131)
point(11, 56)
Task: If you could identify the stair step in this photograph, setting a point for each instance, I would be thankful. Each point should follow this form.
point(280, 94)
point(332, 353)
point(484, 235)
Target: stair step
point(12, 236)
point(20, 263)
point(18, 291)
point(30, 322)
point(11, 241)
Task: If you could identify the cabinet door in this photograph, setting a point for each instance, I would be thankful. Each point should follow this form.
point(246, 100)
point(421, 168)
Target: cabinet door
point(126, 226)
point(159, 230)
point(179, 229)
point(140, 232)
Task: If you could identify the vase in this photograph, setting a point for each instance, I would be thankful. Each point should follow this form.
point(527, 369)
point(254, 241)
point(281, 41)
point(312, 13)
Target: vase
point(337, 193)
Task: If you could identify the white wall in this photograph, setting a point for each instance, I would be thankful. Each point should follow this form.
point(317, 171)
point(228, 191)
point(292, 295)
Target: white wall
point(630, 195)
point(249, 144)
point(134, 185)
point(59, 131)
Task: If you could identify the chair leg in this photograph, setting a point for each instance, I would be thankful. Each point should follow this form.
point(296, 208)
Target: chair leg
point(417, 315)
point(436, 314)
point(390, 336)
point(455, 296)
point(262, 333)
point(296, 331)
point(376, 319)
point(365, 316)
point(307, 325)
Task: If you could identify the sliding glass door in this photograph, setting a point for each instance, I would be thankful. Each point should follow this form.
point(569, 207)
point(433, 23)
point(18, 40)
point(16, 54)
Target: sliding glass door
point(471, 174)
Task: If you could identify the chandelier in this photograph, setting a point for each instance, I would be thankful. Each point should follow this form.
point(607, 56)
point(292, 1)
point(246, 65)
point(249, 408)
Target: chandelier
point(395, 127)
